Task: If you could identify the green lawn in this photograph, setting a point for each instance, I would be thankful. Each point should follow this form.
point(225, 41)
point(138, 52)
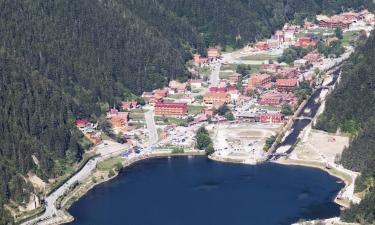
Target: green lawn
point(170, 120)
point(260, 57)
point(348, 37)
point(231, 67)
point(195, 109)
point(137, 116)
point(317, 31)
point(224, 74)
point(109, 164)
point(177, 96)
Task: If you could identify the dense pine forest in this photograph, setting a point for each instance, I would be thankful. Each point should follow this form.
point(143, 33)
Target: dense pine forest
point(62, 59)
point(351, 108)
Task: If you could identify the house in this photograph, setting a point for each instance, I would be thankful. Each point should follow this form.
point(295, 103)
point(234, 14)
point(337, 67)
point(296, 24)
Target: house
point(147, 95)
point(306, 42)
point(286, 85)
point(171, 109)
point(196, 83)
point(271, 98)
point(271, 118)
point(196, 58)
point(288, 72)
point(212, 53)
point(300, 63)
point(177, 86)
point(312, 57)
point(329, 41)
point(120, 119)
point(217, 89)
point(81, 123)
point(272, 68)
point(234, 77)
point(129, 105)
point(336, 21)
point(216, 97)
point(160, 93)
point(279, 36)
point(262, 45)
point(259, 81)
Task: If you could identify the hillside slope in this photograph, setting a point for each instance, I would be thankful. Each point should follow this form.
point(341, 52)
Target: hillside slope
point(351, 108)
point(62, 59)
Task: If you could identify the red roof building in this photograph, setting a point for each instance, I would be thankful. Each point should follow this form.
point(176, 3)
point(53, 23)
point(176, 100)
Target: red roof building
point(129, 105)
point(312, 57)
point(262, 45)
point(272, 68)
point(271, 118)
point(218, 89)
point(271, 98)
point(259, 81)
point(286, 85)
point(212, 53)
point(171, 109)
point(81, 123)
point(306, 42)
point(234, 77)
point(289, 72)
point(216, 98)
point(337, 21)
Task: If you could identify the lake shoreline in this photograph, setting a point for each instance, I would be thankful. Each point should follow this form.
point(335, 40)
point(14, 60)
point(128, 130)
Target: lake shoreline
point(75, 195)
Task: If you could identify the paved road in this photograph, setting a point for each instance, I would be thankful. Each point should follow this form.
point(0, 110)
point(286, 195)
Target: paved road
point(215, 78)
point(107, 149)
point(151, 127)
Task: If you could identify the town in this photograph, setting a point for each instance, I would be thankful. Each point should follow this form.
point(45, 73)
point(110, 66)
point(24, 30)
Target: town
point(243, 98)
point(236, 105)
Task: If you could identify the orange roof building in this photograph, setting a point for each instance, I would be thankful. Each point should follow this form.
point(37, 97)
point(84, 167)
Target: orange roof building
point(171, 109)
point(212, 53)
point(286, 85)
point(216, 97)
point(259, 81)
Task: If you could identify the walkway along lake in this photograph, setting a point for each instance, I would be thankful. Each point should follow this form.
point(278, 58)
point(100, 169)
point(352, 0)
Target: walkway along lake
point(185, 191)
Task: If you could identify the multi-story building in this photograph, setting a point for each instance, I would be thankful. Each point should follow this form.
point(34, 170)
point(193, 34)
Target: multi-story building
point(171, 109)
point(286, 85)
point(259, 81)
point(216, 97)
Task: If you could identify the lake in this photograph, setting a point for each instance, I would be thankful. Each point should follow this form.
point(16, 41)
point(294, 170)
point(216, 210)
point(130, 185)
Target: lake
point(186, 191)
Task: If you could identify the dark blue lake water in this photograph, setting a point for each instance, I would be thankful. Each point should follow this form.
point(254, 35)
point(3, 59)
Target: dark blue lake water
point(187, 191)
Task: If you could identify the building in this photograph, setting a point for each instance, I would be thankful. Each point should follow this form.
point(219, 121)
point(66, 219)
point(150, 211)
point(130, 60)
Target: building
point(213, 53)
point(216, 97)
point(306, 42)
point(271, 98)
point(81, 123)
point(259, 81)
point(336, 21)
point(273, 44)
point(300, 63)
point(279, 36)
point(177, 86)
point(218, 89)
point(312, 57)
point(262, 45)
point(286, 85)
point(129, 105)
point(288, 72)
point(196, 83)
point(118, 119)
point(171, 109)
point(234, 77)
point(271, 118)
point(272, 68)
point(196, 58)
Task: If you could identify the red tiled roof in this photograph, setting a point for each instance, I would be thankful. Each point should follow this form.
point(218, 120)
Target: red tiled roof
point(170, 105)
point(286, 82)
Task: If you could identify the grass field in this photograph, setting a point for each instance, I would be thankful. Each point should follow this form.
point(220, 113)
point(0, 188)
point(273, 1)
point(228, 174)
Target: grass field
point(109, 164)
point(260, 57)
point(195, 109)
point(348, 37)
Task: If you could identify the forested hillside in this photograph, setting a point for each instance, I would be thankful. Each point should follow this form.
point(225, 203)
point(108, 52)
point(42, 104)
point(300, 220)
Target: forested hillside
point(62, 59)
point(238, 22)
point(351, 108)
